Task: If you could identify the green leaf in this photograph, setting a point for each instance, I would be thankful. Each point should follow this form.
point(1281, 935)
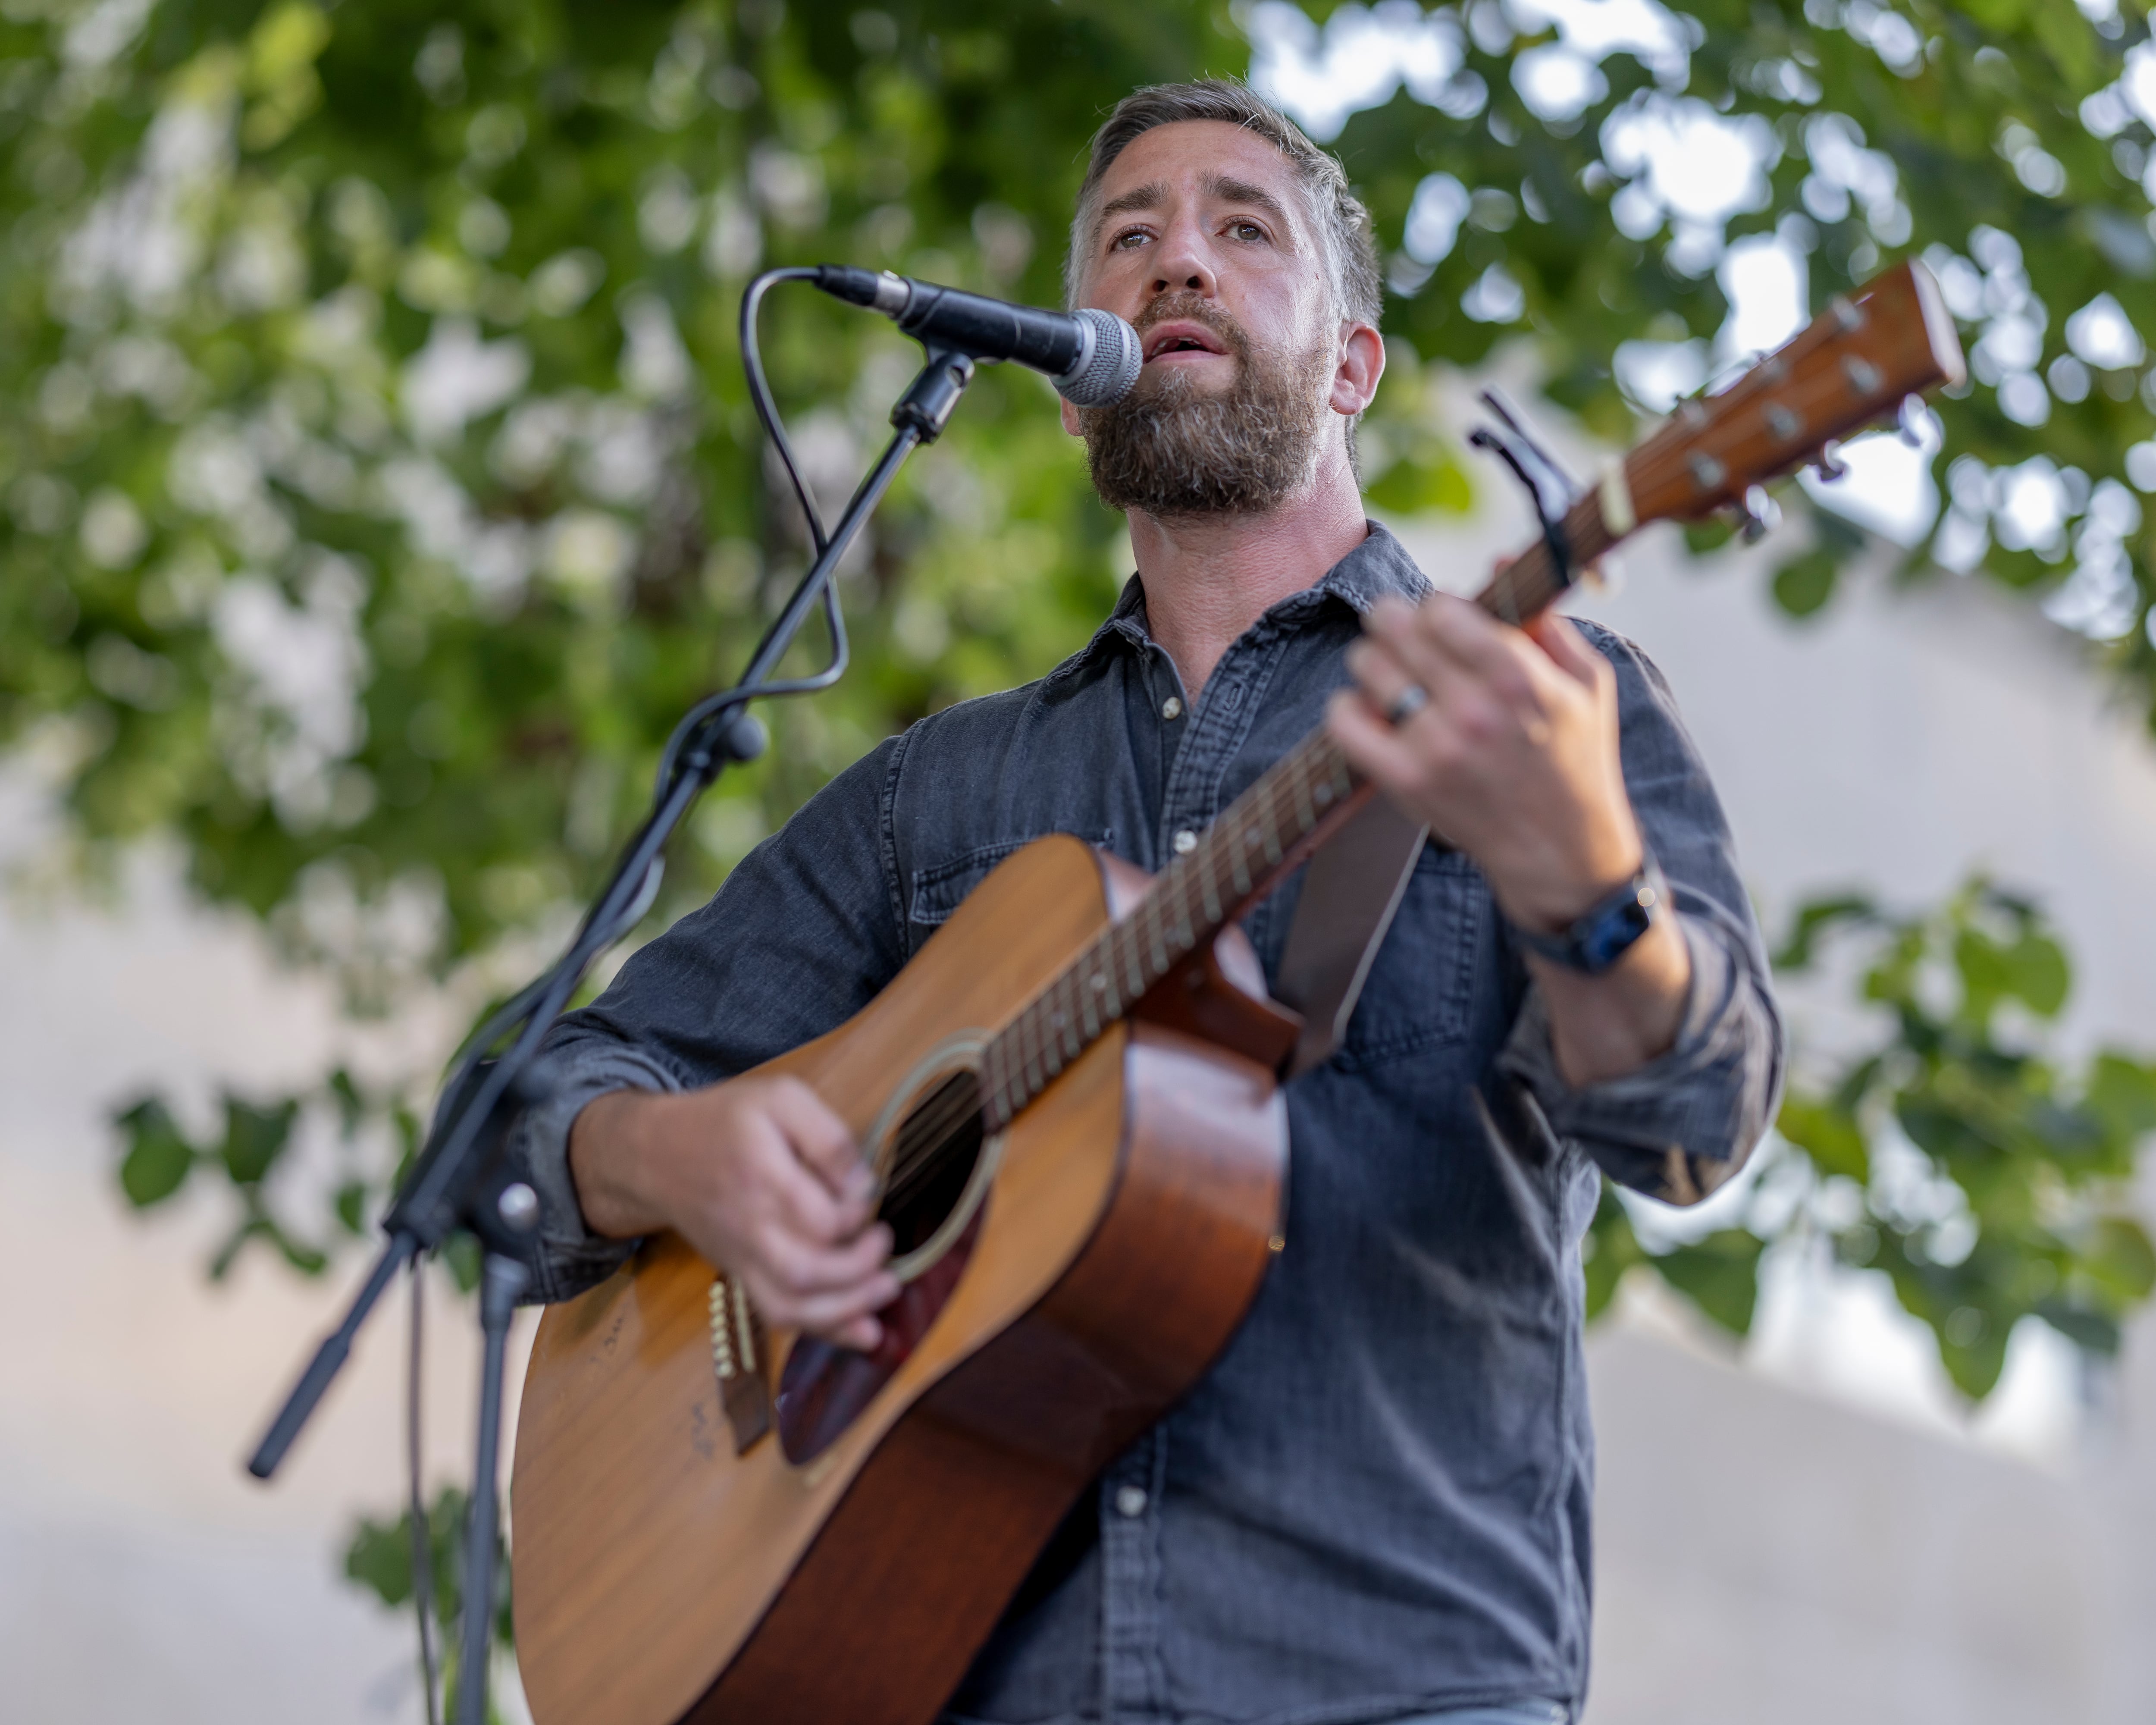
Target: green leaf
point(1803, 584)
point(254, 1138)
point(1609, 1249)
point(1824, 1132)
point(2095, 1331)
point(378, 1556)
point(351, 1106)
point(351, 1204)
point(1720, 1274)
point(1818, 917)
point(158, 1159)
point(1972, 1348)
point(461, 1253)
point(1426, 480)
point(2120, 1260)
point(2121, 1092)
point(2037, 973)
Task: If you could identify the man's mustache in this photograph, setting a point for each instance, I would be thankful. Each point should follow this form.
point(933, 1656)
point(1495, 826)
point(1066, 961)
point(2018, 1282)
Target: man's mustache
point(1184, 307)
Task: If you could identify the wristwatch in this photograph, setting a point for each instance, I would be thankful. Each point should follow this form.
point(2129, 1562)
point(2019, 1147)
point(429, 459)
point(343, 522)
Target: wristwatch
point(1602, 935)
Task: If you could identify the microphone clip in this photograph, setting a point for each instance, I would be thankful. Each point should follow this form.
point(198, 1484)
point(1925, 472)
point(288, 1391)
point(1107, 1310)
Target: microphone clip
point(927, 404)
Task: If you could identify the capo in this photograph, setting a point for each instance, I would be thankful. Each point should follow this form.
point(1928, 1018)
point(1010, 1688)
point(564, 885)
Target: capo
point(1548, 486)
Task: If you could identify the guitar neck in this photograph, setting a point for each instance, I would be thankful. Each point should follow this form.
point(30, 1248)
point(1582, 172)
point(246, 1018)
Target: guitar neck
point(1261, 838)
point(1854, 362)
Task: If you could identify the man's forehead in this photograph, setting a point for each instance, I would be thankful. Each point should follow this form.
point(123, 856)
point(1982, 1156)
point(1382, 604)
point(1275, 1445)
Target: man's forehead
point(1201, 156)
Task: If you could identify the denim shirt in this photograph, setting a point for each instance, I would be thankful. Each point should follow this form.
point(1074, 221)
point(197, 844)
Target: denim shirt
point(1377, 1502)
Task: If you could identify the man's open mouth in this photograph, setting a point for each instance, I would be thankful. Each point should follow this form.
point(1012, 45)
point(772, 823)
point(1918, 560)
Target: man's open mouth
point(1178, 336)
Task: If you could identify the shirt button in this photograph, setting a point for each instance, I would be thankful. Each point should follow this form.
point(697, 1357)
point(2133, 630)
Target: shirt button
point(1186, 841)
point(1130, 1502)
point(1172, 708)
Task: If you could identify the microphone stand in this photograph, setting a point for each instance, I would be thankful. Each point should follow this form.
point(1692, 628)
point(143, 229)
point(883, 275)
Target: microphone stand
point(462, 1178)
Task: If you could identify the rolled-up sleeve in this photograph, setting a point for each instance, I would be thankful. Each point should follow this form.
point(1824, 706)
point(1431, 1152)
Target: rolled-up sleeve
point(1680, 1126)
point(803, 934)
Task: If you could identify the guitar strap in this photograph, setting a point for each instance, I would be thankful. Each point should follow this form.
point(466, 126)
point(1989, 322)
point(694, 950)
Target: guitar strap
point(1350, 892)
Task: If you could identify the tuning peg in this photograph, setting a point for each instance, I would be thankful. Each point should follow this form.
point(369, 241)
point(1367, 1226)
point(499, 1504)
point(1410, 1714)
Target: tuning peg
point(1830, 466)
point(1915, 421)
point(1757, 515)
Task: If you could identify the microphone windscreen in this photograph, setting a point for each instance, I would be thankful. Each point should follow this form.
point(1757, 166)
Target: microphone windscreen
point(1110, 366)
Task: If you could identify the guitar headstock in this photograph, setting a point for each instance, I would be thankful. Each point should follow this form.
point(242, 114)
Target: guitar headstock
point(1851, 368)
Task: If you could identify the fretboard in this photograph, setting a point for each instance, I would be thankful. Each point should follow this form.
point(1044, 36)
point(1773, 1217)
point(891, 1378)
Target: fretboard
point(1261, 838)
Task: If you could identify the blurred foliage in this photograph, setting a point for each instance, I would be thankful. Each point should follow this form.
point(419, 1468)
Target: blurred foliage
point(379, 1558)
point(370, 1137)
point(1989, 1183)
point(379, 481)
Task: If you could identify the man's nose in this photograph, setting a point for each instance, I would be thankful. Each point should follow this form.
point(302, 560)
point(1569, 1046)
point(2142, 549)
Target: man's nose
point(1184, 261)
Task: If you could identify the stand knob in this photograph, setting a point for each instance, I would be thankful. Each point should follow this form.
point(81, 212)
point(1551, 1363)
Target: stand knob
point(518, 1207)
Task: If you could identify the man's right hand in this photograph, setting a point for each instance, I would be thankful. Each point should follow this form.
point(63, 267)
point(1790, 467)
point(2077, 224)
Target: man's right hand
point(761, 1178)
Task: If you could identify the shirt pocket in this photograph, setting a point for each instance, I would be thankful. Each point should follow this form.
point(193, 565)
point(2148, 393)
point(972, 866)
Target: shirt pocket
point(941, 888)
point(1420, 992)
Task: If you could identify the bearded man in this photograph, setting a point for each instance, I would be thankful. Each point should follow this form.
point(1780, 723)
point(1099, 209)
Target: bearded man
point(1376, 1505)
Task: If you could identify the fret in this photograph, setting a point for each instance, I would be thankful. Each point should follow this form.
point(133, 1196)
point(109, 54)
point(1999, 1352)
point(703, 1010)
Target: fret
point(1185, 941)
point(1073, 1042)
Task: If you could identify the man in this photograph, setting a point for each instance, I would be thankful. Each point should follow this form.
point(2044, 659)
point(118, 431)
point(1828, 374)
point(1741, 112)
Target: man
point(1376, 1506)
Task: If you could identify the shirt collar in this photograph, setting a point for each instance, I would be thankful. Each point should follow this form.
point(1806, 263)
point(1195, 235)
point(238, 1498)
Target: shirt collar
point(1378, 566)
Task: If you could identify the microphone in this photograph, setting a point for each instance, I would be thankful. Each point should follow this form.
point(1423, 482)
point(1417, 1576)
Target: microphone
point(1092, 356)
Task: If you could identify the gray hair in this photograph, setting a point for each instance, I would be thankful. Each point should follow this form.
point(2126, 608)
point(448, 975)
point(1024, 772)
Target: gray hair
point(1341, 222)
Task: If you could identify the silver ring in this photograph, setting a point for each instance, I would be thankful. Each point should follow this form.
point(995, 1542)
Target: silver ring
point(1409, 701)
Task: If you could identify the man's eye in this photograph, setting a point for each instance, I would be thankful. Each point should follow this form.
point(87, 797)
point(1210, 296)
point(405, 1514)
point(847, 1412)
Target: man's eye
point(1125, 242)
point(1247, 230)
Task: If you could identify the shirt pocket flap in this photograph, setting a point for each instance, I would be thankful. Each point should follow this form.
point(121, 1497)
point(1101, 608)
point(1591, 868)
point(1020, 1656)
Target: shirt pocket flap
point(942, 888)
point(1420, 991)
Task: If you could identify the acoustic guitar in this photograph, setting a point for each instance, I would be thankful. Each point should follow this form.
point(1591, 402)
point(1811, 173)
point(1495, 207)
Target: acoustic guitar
point(1070, 1099)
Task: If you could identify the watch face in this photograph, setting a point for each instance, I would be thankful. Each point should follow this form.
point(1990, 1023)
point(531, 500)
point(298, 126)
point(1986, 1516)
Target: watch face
point(1611, 934)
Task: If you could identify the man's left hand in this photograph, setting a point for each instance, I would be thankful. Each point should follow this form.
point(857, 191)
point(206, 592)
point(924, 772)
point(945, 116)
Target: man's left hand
point(1512, 755)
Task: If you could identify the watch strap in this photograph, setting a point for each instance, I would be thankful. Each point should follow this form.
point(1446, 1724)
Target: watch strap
point(1604, 933)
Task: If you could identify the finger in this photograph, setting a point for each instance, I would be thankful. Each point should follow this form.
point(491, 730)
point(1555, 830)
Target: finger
point(1451, 648)
point(792, 1195)
point(849, 1323)
point(1381, 677)
point(1568, 649)
point(847, 1317)
point(1372, 744)
point(804, 1267)
point(820, 1140)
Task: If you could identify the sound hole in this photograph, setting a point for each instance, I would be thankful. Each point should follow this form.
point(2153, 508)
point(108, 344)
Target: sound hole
point(931, 1161)
point(933, 1157)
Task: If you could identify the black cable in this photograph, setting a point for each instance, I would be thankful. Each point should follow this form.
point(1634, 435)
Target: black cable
point(759, 390)
point(766, 410)
point(423, 1543)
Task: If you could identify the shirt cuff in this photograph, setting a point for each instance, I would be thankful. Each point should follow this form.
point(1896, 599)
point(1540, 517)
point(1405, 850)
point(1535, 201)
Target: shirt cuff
point(1683, 1123)
point(571, 1257)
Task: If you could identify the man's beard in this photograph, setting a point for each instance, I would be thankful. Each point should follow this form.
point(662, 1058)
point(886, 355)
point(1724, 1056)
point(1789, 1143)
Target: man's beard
point(1170, 447)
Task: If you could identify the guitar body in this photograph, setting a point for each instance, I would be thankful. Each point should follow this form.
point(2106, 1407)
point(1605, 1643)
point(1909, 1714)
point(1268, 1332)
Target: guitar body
point(1130, 1213)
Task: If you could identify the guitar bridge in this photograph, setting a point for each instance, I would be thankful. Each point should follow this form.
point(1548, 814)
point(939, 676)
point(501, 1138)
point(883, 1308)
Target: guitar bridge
point(737, 1362)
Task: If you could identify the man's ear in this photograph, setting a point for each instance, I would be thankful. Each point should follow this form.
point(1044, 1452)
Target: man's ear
point(1362, 363)
point(1071, 420)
